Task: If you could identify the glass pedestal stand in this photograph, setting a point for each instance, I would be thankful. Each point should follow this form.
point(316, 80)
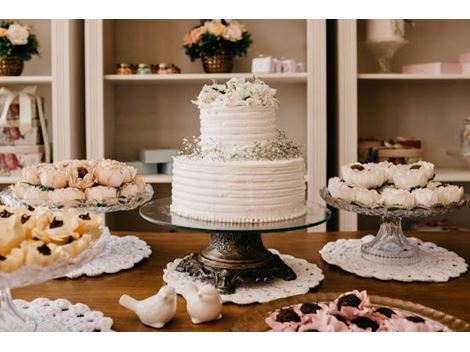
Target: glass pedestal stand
point(390, 245)
point(235, 254)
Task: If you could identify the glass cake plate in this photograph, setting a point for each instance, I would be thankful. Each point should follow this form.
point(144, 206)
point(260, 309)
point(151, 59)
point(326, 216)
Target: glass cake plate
point(137, 200)
point(390, 245)
point(235, 253)
point(10, 318)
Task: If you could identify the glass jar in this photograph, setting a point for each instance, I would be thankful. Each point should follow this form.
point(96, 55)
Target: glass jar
point(144, 69)
point(465, 138)
point(124, 69)
point(163, 68)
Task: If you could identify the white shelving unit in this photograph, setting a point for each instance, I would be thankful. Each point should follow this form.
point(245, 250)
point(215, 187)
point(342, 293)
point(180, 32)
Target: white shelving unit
point(430, 107)
point(413, 76)
point(202, 78)
point(25, 80)
point(58, 73)
point(127, 112)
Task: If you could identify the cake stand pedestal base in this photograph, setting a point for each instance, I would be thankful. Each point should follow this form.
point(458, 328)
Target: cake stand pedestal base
point(235, 258)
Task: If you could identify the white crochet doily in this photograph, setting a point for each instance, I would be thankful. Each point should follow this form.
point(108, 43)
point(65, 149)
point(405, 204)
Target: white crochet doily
point(437, 264)
point(119, 254)
point(308, 276)
point(61, 315)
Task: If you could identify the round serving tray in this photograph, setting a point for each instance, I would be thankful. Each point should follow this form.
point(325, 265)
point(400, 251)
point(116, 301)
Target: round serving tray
point(253, 320)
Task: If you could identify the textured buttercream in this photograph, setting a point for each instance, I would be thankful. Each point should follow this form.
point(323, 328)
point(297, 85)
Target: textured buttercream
point(238, 191)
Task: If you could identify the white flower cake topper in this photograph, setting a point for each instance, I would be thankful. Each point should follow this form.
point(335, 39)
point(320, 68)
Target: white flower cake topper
point(237, 92)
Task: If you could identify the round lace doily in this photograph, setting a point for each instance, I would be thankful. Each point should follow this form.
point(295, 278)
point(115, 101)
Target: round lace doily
point(119, 254)
point(437, 264)
point(308, 276)
point(61, 315)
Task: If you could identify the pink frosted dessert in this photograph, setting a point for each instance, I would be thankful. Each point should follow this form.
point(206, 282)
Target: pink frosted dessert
point(351, 312)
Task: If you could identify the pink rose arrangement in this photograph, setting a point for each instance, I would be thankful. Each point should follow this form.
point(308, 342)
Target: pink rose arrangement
point(213, 37)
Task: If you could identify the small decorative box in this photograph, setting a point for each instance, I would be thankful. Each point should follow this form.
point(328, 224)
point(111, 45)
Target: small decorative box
point(155, 156)
point(263, 64)
point(464, 58)
point(143, 168)
point(465, 67)
point(433, 68)
point(14, 158)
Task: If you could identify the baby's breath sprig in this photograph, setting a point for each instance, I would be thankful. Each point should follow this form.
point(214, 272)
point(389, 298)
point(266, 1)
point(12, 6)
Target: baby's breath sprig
point(277, 149)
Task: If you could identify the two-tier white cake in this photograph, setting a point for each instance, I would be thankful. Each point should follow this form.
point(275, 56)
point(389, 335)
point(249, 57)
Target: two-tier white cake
point(241, 169)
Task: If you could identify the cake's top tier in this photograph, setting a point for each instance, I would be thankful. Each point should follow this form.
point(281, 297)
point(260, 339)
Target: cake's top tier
point(238, 112)
point(233, 126)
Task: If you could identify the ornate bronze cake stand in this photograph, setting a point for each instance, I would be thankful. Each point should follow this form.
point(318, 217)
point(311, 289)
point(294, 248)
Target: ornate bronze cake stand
point(235, 254)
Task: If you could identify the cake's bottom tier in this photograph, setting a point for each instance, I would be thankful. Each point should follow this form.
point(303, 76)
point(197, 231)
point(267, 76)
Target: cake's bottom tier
point(238, 191)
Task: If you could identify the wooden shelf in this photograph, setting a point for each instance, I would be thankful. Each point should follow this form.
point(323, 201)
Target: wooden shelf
point(413, 76)
point(9, 179)
point(25, 79)
point(156, 178)
point(453, 174)
point(300, 77)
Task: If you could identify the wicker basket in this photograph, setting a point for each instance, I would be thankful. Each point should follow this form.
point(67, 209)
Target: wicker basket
point(220, 63)
point(11, 66)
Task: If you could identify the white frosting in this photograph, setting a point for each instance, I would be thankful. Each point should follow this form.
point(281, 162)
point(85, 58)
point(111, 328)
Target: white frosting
point(238, 125)
point(238, 191)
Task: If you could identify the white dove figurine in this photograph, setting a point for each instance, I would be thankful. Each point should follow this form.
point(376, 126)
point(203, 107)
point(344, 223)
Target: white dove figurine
point(154, 311)
point(203, 304)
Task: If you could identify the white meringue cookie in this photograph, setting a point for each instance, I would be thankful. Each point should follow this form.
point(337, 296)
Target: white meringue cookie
point(425, 197)
point(399, 198)
point(449, 194)
point(369, 198)
point(409, 178)
point(52, 177)
point(101, 194)
point(131, 189)
point(35, 194)
point(69, 196)
point(363, 175)
point(31, 174)
point(427, 167)
point(339, 189)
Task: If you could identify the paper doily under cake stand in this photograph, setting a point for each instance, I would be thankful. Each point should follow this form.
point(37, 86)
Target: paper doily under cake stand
point(120, 253)
point(437, 264)
point(308, 276)
point(61, 315)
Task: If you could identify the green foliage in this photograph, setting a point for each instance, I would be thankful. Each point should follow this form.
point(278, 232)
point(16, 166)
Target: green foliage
point(23, 52)
point(210, 45)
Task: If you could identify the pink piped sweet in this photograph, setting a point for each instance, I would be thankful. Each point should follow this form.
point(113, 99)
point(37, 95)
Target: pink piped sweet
point(410, 324)
point(351, 305)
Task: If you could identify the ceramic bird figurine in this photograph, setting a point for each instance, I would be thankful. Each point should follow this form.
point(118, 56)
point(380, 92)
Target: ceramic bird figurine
point(203, 304)
point(154, 311)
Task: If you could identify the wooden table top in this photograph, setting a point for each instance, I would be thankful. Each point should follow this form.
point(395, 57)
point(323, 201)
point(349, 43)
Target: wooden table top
point(103, 292)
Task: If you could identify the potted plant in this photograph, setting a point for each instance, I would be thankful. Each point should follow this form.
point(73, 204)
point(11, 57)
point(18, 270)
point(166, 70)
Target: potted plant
point(216, 43)
point(17, 44)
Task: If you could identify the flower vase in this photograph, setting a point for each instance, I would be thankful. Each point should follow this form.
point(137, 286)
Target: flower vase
point(11, 66)
point(219, 63)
